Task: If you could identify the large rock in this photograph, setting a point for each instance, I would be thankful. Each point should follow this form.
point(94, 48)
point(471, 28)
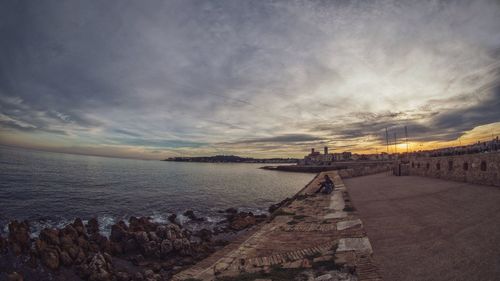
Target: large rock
point(19, 237)
point(122, 276)
point(78, 226)
point(3, 244)
point(50, 258)
point(70, 232)
point(51, 236)
point(142, 238)
point(93, 226)
point(14, 276)
point(130, 246)
point(242, 220)
point(166, 247)
point(204, 234)
point(100, 269)
point(118, 234)
point(65, 259)
point(190, 214)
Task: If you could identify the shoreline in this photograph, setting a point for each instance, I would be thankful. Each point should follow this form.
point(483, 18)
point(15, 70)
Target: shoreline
point(135, 249)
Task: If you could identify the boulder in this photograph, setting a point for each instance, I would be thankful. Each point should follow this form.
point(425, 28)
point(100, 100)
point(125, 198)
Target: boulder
point(161, 232)
point(33, 259)
point(78, 226)
point(93, 226)
point(3, 244)
point(118, 234)
point(19, 237)
point(142, 238)
point(66, 259)
point(14, 276)
point(80, 258)
point(50, 258)
point(116, 248)
point(122, 276)
point(73, 251)
point(100, 269)
point(82, 243)
point(190, 214)
point(153, 237)
point(204, 234)
point(50, 236)
point(242, 220)
point(172, 218)
point(130, 246)
point(70, 232)
point(166, 247)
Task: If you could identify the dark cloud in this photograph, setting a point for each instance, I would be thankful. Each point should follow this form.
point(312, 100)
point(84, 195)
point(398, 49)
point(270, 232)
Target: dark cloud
point(283, 139)
point(184, 73)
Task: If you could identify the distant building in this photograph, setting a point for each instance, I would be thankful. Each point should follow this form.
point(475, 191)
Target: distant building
point(316, 158)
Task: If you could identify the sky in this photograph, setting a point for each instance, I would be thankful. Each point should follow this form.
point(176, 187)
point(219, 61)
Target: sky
point(156, 79)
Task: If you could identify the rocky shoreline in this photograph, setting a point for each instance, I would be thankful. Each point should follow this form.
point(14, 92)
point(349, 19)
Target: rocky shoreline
point(139, 249)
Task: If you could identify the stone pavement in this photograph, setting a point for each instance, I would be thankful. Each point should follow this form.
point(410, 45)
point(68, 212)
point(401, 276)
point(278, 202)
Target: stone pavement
point(311, 229)
point(430, 229)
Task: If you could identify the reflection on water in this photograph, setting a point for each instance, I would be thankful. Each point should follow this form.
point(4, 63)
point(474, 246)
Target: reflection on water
point(51, 188)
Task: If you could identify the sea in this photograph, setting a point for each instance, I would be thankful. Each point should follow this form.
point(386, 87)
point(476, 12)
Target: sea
point(52, 189)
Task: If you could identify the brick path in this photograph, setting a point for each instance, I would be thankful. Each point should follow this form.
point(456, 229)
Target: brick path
point(310, 228)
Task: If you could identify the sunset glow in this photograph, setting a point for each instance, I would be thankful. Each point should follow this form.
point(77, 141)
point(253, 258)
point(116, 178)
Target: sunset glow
point(262, 79)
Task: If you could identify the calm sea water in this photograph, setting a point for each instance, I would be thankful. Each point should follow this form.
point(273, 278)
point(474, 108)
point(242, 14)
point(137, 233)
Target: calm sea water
point(51, 189)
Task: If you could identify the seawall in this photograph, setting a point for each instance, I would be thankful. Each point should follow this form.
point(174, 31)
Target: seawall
point(480, 168)
point(345, 169)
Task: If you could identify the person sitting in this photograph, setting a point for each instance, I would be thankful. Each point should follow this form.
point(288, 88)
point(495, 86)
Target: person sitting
point(327, 186)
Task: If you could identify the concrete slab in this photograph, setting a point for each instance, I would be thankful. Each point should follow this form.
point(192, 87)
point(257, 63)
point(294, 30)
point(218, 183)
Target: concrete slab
point(336, 215)
point(337, 201)
point(355, 244)
point(348, 224)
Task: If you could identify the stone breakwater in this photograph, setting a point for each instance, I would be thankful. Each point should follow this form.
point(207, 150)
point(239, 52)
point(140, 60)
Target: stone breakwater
point(137, 250)
point(309, 237)
point(345, 169)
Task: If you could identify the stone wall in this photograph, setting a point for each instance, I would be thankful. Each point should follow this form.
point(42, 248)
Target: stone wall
point(480, 168)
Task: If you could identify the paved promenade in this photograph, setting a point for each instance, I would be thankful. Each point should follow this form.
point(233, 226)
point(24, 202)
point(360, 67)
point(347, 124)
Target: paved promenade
point(430, 229)
point(317, 236)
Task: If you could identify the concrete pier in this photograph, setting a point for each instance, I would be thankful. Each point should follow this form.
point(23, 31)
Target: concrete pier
point(312, 229)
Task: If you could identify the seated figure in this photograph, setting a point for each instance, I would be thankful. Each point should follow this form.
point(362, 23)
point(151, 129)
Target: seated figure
point(326, 186)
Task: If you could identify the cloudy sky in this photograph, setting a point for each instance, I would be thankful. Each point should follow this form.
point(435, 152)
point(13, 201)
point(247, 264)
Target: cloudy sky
point(152, 79)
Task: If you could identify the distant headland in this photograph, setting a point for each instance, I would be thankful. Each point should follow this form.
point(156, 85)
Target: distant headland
point(231, 159)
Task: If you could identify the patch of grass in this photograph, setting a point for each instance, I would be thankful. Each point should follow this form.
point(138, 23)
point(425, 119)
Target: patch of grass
point(315, 255)
point(280, 212)
point(325, 265)
point(292, 222)
point(276, 274)
point(301, 197)
point(328, 264)
point(349, 209)
point(298, 217)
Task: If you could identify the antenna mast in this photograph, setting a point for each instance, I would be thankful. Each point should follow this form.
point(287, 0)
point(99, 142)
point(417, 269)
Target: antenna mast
point(406, 139)
point(395, 143)
point(387, 139)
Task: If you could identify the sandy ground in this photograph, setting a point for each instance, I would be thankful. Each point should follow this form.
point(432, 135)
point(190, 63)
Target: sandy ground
point(430, 229)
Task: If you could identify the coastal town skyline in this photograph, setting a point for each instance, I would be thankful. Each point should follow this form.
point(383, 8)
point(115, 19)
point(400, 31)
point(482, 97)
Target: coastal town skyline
point(254, 79)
